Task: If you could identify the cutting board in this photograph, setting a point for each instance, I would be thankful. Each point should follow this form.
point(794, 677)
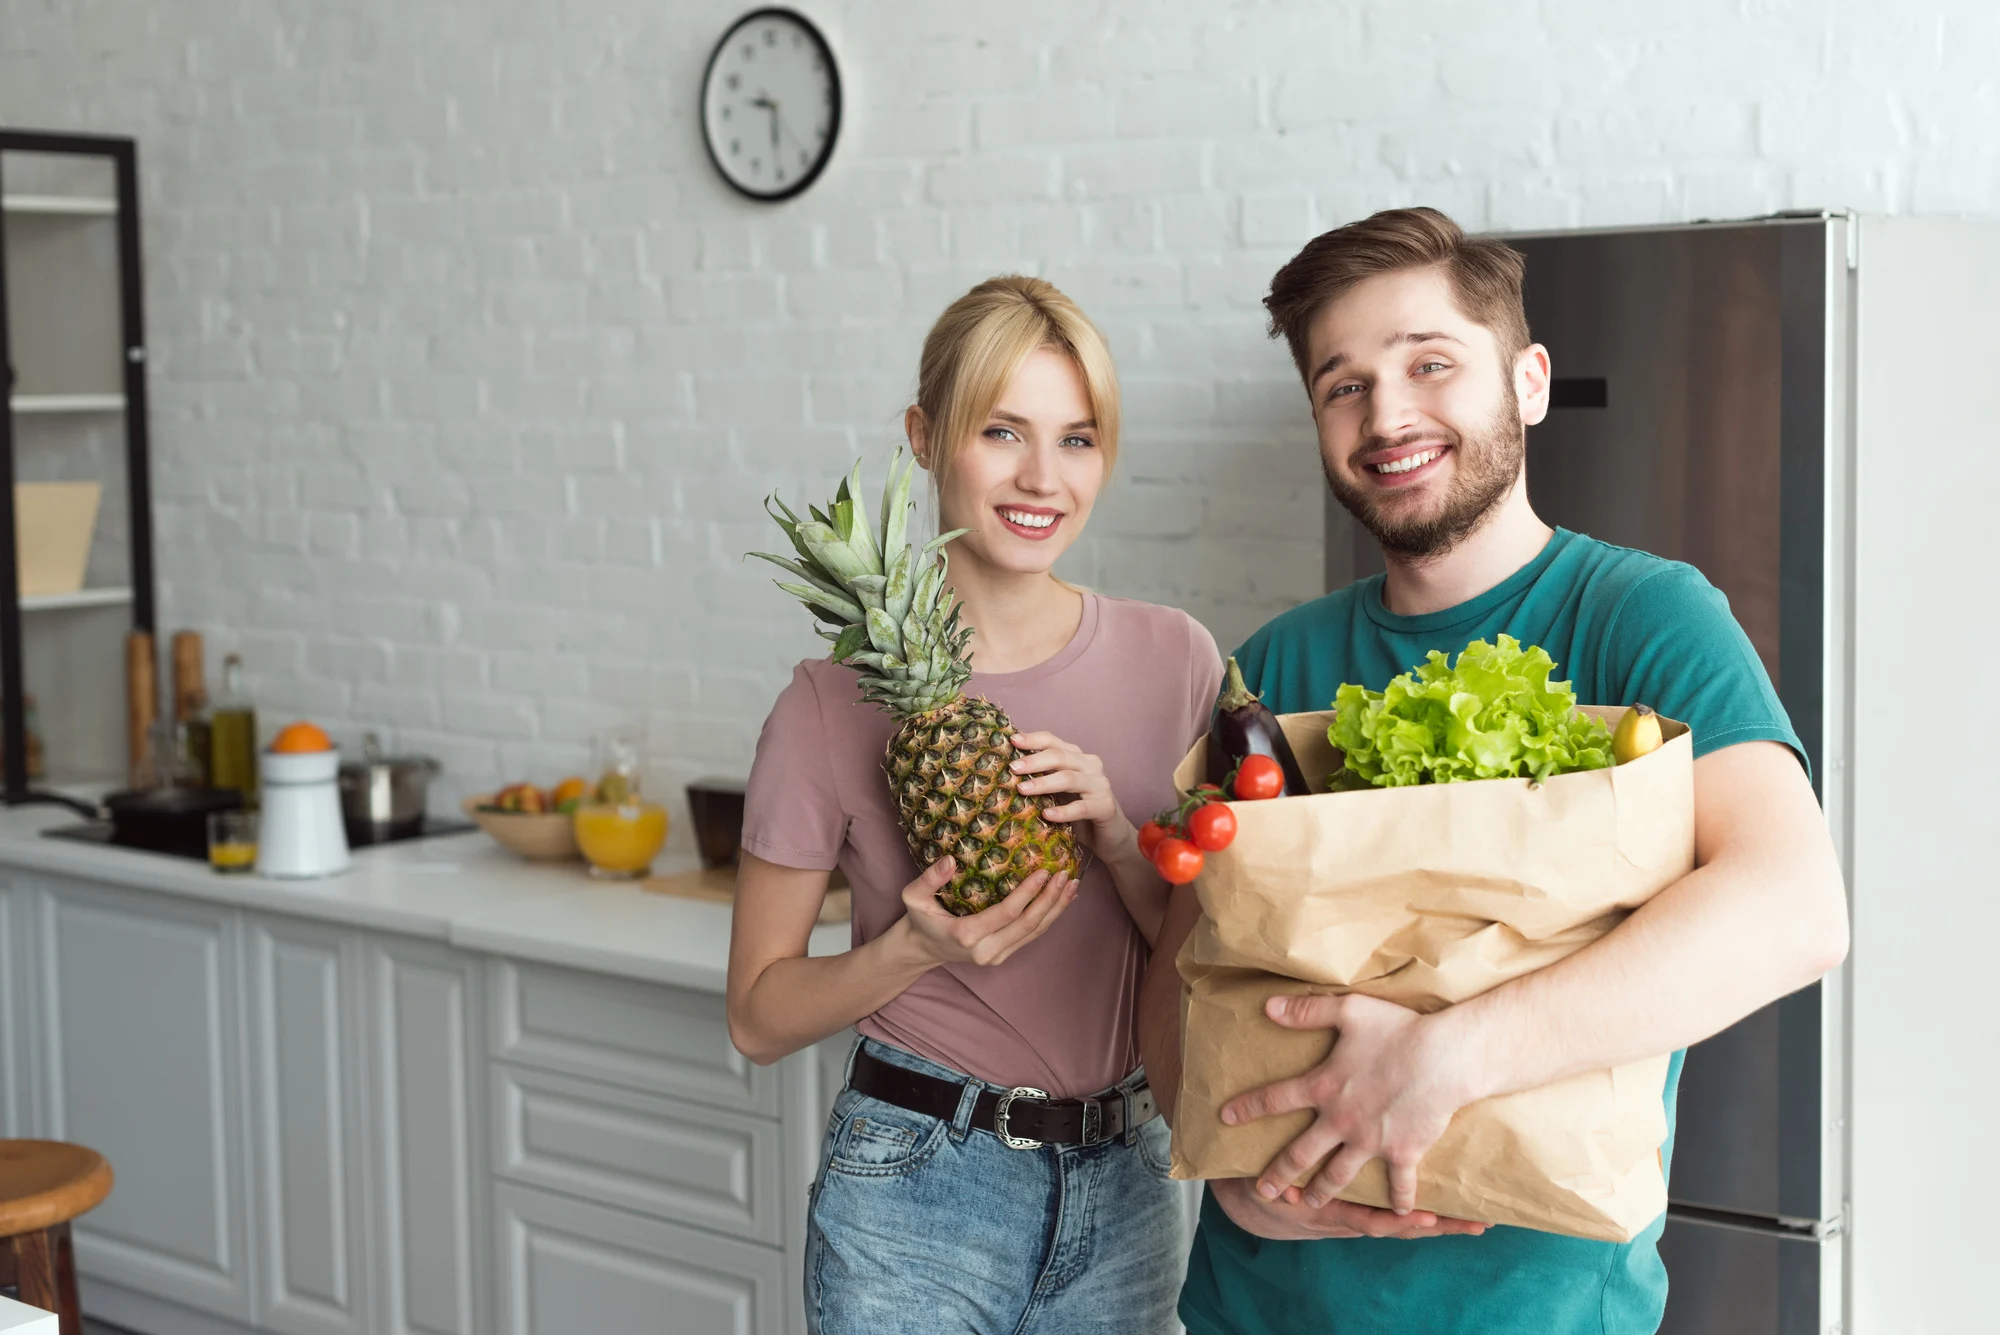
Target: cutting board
point(717, 885)
point(53, 525)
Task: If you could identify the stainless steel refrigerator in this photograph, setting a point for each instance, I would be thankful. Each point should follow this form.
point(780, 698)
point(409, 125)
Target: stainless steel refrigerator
point(1792, 404)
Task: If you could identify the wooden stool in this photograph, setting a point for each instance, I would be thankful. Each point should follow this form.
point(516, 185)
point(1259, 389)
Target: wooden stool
point(43, 1185)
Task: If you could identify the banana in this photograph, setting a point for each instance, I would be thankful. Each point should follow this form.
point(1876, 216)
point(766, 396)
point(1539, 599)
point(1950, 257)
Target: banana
point(1637, 734)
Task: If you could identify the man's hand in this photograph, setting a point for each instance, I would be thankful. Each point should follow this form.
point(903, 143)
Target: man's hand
point(1289, 1221)
point(1388, 1091)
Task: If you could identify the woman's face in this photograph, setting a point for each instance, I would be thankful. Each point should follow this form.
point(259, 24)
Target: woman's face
point(1025, 482)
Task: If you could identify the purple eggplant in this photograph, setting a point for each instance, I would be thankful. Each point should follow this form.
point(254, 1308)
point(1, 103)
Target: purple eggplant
point(1243, 727)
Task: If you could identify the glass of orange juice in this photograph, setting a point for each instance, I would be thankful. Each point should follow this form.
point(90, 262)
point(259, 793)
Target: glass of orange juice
point(617, 829)
point(232, 840)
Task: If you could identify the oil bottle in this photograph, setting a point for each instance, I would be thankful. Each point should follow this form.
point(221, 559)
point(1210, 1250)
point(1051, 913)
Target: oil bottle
point(232, 734)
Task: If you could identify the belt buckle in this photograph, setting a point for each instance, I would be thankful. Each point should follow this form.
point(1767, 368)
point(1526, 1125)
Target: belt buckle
point(1011, 1141)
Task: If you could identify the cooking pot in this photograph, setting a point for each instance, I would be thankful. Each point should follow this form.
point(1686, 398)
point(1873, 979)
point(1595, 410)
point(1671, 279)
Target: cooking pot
point(384, 796)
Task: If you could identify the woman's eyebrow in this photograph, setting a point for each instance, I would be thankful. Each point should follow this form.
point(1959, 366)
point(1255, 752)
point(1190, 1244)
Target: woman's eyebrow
point(1015, 419)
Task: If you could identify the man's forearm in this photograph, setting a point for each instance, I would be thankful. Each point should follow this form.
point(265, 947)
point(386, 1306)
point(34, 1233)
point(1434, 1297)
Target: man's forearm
point(1764, 917)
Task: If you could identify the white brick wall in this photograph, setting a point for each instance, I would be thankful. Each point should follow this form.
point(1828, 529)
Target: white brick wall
point(469, 374)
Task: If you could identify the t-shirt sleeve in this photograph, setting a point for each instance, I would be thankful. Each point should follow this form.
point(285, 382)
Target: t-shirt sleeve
point(791, 810)
point(1204, 678)
point(1674, 645)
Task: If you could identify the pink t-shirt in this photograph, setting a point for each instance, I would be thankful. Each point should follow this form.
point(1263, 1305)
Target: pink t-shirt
point(1133, 687)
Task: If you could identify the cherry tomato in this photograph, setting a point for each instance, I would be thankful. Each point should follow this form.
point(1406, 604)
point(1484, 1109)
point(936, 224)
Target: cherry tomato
point(1258, 778)
point(1211, 827)
point(1150, 835)
point(1178, 860)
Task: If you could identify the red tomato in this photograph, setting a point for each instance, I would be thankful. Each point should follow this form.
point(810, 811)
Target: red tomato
point(1150, 835)
point(1258, 778)
point(1212, 827)
point(1178, 860)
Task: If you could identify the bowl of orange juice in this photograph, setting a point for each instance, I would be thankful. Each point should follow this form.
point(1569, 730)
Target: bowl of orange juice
point(618, 831)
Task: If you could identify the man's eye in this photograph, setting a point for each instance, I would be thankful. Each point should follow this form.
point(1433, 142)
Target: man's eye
point(1440, 366)
point(1342, 391)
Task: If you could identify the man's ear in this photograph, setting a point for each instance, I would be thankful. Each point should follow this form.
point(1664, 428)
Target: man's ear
point(914, 428)
point(1531, 383)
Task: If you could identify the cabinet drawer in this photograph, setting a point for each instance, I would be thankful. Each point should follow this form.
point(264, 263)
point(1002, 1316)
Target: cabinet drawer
point(569, 1267)
point(662, 1157)
point(664, 1040)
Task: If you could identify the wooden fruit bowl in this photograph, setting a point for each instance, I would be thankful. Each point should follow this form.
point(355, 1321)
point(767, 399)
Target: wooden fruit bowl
point(546, 836)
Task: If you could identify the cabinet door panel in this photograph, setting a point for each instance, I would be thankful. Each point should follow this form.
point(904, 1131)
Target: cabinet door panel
point(305, 1082)
point(668, 1040)
point(138, 999)
point(572, 1267)
point(677, 1161)
point(426, 1017)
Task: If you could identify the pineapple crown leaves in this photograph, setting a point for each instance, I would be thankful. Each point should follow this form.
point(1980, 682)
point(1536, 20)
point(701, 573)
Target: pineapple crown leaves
point(882, 603)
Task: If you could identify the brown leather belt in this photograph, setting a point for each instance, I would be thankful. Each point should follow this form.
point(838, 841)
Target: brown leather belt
point(1023, 1117)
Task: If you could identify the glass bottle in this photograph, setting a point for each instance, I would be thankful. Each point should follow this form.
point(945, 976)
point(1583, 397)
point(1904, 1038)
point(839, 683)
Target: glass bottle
point(199, 731)
point(232, 732)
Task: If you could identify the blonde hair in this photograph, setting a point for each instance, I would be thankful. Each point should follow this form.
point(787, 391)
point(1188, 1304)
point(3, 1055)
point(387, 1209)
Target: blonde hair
point(972, 352)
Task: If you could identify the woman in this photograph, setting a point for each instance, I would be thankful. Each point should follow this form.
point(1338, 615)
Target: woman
point(923, 1218)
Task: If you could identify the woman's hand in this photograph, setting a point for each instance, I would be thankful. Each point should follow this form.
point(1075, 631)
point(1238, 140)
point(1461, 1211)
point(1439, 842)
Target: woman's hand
point(1048, 764)
point(991, 935)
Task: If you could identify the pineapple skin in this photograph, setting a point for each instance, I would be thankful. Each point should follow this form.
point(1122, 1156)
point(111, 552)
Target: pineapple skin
point(949, 770)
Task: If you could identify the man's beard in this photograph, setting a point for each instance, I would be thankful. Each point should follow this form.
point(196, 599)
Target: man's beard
point(1485, 467)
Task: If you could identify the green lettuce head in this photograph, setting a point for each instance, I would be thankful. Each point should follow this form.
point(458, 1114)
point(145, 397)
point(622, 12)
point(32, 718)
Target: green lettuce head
point(1493, 715)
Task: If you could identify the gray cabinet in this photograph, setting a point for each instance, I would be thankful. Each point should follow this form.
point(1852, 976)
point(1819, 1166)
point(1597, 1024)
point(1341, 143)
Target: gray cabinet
point(305, 1069)
point(425, 1044)
point(570, 1266)
point(140, 1057)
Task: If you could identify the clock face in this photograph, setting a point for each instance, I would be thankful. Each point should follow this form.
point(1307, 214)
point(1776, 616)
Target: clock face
point(770, 104)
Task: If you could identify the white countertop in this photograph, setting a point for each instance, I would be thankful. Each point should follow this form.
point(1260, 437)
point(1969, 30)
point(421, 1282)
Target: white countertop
point(463, 889)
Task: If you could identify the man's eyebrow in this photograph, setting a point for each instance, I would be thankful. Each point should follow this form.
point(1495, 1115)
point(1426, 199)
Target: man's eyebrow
point(1334, 363)
point(1014, 419)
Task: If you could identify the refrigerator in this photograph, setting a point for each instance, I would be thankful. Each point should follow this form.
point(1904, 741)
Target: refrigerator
point(1804, 407)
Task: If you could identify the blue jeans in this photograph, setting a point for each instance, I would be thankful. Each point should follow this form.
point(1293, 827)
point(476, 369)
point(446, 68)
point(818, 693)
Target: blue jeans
point(925, 1226)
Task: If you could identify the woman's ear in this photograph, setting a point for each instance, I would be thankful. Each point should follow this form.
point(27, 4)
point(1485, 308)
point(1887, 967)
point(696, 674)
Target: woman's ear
point(913, 427)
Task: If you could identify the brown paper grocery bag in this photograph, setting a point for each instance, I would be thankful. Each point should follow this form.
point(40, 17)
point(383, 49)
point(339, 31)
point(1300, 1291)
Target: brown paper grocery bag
point(1426, 896)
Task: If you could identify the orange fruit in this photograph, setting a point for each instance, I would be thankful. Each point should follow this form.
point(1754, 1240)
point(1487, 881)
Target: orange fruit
point(301, 737)
point(565, 796)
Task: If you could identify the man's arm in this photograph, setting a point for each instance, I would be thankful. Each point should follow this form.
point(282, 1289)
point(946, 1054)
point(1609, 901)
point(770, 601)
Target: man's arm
point(1763, 914)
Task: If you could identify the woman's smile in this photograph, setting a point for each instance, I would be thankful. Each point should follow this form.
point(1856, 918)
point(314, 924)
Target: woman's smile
point(1035, 523)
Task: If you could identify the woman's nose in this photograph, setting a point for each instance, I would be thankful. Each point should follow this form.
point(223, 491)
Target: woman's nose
point(1038, 471)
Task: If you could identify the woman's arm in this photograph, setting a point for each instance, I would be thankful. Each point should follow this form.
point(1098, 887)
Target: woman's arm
point(781, 1001)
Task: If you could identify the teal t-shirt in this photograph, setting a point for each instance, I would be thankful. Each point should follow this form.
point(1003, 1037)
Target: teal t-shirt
point(1624, 627)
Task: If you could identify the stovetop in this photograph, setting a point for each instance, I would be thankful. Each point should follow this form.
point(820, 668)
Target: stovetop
point(359, 837)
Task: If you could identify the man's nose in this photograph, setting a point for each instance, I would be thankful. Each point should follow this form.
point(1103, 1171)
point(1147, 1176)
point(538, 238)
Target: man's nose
point(1392, 410)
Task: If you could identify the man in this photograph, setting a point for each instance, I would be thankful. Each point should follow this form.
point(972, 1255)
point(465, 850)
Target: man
point(1414, 350)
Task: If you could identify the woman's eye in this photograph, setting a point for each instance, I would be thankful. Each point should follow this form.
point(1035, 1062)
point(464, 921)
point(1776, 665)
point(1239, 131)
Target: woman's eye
point(999, 433)
point(1079, 442)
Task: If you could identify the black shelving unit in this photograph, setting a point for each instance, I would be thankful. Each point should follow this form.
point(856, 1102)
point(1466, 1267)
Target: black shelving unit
point(122, 154)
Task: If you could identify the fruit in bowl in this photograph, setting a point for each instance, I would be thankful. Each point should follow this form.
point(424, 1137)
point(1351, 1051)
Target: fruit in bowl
point(520, 819)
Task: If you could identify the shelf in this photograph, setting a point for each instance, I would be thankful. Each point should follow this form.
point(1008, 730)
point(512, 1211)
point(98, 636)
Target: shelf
point(69, 403)
point(69, 206)
point(59, 602)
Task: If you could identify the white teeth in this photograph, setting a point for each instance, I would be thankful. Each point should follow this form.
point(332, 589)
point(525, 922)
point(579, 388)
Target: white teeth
point(1027, 520)
point(1406, 464)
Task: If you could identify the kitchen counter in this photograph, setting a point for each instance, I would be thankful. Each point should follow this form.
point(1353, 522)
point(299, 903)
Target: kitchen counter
point(461, 889)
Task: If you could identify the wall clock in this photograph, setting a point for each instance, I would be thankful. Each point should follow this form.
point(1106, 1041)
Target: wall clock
point(770, 104)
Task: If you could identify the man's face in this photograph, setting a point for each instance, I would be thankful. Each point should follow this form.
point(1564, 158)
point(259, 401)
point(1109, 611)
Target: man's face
point(1421, 427)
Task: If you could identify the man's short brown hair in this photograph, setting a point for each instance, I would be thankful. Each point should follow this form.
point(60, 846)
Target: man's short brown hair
point(1485, 275)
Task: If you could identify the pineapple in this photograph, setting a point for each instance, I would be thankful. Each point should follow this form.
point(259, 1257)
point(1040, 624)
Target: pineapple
point(887, 610)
